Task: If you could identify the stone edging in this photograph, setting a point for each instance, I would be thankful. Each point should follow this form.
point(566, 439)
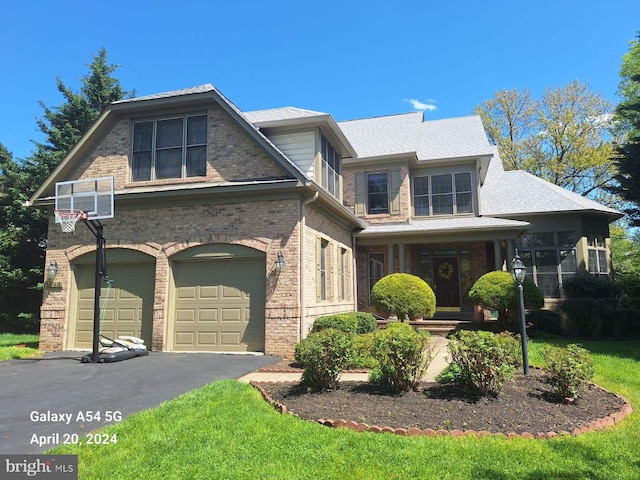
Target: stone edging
point(607, 421)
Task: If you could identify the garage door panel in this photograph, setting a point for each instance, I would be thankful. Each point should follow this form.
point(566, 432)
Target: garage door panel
point(208, 314)
point(184, 338)
point(227, 293)
point(209, 292)
point(208, 338)
point(126, 307)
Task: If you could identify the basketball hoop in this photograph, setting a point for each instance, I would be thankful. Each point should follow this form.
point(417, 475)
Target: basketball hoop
point(68, 219)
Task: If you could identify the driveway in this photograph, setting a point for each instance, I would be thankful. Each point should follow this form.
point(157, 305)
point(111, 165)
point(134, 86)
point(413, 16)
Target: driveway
point(46, 401)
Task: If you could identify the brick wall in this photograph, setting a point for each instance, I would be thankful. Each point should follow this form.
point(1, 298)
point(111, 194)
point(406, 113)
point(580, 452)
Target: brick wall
point(266, 223)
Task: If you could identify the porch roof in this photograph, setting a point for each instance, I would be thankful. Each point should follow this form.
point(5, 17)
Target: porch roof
point(460, 226)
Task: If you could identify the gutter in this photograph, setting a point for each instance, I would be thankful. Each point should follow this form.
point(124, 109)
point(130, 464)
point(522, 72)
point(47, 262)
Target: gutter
point(301, 275)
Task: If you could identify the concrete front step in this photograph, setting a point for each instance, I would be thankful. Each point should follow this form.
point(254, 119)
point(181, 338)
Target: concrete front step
point(435, 327)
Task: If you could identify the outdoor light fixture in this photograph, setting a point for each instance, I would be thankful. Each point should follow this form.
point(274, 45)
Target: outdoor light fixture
point(52, 271)
point(280, 262)
point(518, 271)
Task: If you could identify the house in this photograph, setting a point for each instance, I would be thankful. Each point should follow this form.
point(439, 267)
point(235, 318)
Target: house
point(207, 199)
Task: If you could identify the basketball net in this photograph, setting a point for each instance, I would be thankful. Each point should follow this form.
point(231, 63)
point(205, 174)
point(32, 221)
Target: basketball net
point(68, 219)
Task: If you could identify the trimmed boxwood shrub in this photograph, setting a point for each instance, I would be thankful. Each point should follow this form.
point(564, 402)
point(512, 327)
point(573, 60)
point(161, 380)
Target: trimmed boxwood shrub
point(324, 355)
point(484, 360)
point(350, 322)
point(402, 355)
point(497, 291)
point(403, 295)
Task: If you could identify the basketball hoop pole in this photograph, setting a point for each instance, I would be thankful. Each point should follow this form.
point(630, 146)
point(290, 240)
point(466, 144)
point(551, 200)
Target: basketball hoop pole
point(101, 272)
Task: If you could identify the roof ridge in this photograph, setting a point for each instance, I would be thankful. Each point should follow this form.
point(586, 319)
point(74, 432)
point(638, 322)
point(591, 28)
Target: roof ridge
point(380, 117)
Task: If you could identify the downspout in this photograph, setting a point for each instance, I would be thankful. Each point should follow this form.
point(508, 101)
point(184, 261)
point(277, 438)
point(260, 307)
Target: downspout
point(301, 277)
point(354, 273)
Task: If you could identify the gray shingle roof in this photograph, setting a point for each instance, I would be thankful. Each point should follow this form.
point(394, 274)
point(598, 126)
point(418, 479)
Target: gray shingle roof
point(207, 87)
point(516, 192)
point(408, 133)
point(381, 136)
point(449, 224)
point(283, 113)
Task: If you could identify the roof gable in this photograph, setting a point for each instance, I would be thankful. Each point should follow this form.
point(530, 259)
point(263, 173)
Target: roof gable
point(200, 95)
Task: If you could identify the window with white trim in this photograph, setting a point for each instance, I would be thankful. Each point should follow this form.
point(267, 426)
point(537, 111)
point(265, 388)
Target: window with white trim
point(444, 194)
point(169, 148)
point(331, 165)
point(377, 193)
point(598, 255)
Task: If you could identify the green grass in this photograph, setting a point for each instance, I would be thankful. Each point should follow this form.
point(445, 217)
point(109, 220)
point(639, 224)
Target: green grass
point(226, 431)
point(9, 350)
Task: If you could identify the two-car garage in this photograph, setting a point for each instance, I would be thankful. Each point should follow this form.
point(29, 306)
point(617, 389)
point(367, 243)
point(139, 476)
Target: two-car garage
point(216, 298)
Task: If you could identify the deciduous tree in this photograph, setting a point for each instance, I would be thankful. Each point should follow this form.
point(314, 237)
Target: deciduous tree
point(563, 137)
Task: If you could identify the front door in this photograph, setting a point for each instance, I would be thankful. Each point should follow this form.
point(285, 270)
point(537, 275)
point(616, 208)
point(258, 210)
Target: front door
point(447, 283)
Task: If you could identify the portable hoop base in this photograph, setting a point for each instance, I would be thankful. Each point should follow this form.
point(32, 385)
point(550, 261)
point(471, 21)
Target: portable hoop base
point(68, 219)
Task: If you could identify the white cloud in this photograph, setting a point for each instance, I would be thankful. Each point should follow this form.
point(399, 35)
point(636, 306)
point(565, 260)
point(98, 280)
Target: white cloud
point(420, 105)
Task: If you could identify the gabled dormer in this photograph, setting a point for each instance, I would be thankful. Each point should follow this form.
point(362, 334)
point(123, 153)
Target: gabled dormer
point(310, 139)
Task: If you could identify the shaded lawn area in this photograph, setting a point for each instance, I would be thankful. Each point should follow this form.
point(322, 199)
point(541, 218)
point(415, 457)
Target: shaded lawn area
point(225, 430)
point(28, 346)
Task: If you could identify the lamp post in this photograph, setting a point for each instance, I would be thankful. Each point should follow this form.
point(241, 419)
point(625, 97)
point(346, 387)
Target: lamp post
point(518, 271)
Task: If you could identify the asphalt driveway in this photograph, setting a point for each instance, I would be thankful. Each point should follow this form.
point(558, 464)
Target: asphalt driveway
point(46, 401)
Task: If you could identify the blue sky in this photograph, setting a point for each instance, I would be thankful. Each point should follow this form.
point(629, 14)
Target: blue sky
point(353, 59)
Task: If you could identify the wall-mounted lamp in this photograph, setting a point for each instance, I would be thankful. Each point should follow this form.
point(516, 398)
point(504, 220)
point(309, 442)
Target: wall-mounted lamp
point(52, 271)
point(280, 261)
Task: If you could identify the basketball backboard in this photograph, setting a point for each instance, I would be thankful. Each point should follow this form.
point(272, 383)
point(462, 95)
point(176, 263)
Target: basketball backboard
point(94, 196)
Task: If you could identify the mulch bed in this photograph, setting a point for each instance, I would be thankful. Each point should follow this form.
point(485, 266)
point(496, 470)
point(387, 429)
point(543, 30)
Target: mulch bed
point(527, 406)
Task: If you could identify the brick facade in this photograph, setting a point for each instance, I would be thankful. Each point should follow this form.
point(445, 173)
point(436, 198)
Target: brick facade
point(162, 228)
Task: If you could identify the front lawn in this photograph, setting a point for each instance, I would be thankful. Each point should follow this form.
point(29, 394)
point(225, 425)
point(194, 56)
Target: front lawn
point(9, 346)
point(226, 431)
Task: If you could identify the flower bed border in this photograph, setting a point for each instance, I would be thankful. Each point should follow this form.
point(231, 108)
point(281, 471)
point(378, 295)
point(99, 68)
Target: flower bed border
point(598, 424)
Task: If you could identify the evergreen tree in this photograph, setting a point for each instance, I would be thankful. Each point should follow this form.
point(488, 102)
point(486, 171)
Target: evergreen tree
point(627, 156)
point(24, 230)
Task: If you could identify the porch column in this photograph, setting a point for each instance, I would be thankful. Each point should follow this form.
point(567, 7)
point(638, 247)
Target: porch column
point(497, 252)
point(392, 259)
point(511, 252)
point(402, 258)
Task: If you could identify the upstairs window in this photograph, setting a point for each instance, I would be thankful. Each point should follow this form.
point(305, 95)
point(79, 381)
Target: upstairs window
point(169, 148)
point(331, 164)
point(377, 193)
point(445, 194)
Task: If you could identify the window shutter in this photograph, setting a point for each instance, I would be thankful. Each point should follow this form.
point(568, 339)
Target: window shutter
point(318, 270)
point(361, 193)
point(394, 191)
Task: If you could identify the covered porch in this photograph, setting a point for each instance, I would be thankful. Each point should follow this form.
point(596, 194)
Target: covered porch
point(449, 254)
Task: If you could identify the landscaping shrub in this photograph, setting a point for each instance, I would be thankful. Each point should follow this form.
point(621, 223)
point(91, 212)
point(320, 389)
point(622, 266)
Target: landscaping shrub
point(323, 355)
point(403, 357)
point(570, 369)
point(403, 295)
point(486, 360)
point(582, 316)
point(362, 355)
point(620, 323)
point(629, 285)
point(587, 286)
point(367, 323)
point(350, 322)
point(497, 291)
point(545, 320)
point(347, 323)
